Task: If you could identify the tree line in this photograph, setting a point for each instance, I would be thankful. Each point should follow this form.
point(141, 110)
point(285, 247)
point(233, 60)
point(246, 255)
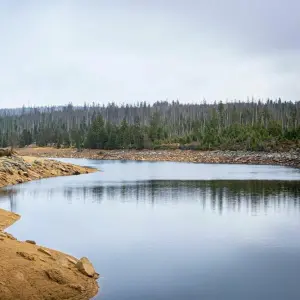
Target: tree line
point(251, 125)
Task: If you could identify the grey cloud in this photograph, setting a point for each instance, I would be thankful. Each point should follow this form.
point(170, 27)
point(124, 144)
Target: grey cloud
point(60, 51)
point(271, 24)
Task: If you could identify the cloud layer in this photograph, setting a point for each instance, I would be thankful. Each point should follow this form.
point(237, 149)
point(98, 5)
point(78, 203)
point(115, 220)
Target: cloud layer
point(128, 51)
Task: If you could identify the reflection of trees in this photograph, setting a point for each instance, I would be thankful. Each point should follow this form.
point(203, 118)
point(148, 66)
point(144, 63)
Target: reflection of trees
point(8, 195)
point(252, 197)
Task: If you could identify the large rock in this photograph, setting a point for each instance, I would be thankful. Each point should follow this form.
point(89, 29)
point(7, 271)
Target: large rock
point(85, 267)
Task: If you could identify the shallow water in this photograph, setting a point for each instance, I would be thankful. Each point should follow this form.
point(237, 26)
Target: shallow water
point(158, 230)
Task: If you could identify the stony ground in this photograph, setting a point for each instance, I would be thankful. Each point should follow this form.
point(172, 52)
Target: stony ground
point(18, 169)
point(291, 159)
point(29, 271)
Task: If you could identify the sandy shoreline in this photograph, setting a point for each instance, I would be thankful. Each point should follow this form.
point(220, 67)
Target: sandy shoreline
point(291, 159)
point(29, 271)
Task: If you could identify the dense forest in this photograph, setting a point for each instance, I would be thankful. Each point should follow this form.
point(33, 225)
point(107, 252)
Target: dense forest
point(252, 125)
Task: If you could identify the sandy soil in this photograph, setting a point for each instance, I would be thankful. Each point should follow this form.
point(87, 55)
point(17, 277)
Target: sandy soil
point(291, 159)
point(29, 271)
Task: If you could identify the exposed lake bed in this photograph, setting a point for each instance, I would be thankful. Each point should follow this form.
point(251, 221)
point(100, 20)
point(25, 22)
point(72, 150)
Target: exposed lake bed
point(288, 158)
point(172, 230)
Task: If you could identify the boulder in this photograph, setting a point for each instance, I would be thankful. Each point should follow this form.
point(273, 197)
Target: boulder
point(85, 267)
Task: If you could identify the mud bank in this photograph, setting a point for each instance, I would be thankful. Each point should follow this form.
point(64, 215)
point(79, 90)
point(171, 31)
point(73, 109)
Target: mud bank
point(291, 159)
point(29, 271)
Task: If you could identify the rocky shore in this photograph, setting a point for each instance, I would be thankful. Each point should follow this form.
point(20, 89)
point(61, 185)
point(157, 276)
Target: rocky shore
point(16, 169)
point(29, 271)
point(291, 159)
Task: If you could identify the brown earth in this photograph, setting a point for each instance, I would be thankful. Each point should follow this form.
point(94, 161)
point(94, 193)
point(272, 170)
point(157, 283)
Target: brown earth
point(29, 271)
point(291, 159)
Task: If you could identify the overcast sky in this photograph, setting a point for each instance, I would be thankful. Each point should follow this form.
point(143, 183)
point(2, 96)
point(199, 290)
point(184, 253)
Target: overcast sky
point(55, 52)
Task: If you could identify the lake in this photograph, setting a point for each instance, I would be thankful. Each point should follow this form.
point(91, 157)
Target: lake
point(163, 230)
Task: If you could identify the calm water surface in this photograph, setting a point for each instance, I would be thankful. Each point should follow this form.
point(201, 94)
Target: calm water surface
point(171, 230)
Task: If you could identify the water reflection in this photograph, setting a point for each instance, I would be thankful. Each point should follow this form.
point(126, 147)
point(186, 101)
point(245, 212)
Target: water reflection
point(251, 196)
point(7, 197)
